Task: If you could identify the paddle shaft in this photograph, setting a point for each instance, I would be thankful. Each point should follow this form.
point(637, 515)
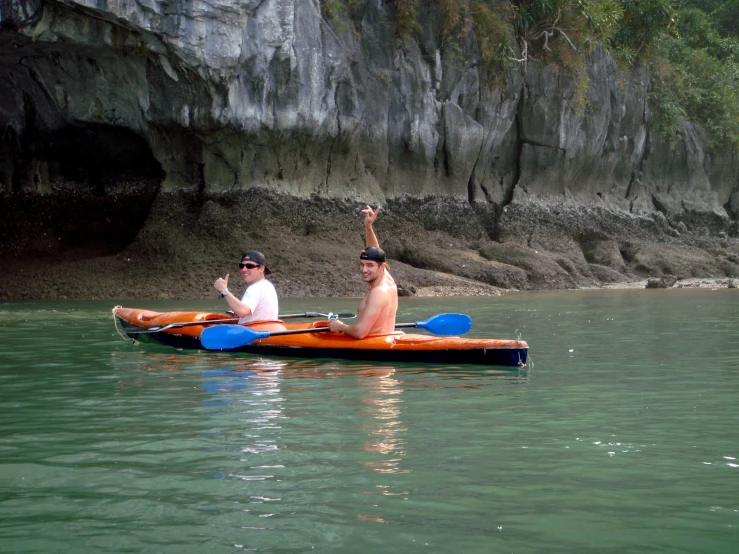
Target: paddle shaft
point(322, 329)
point(158, 328)
point(315, 314)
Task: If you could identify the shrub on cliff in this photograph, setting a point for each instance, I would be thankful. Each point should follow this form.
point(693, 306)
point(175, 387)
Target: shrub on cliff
point(691, 46)
point(700, 68)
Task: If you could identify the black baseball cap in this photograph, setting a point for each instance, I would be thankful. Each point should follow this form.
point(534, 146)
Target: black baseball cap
point(257, 258)
point(374, 254)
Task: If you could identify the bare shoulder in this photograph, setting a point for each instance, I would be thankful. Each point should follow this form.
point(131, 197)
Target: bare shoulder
point(378, 293)
point(379, 297)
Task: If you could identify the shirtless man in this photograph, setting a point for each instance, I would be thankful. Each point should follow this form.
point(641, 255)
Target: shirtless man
point(378, 307)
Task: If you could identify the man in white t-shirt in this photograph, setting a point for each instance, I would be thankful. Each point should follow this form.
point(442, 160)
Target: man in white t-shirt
point(259, 302)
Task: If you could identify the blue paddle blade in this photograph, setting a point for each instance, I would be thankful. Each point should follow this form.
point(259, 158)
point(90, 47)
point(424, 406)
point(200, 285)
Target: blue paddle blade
point(447, 324)
point(225, 337)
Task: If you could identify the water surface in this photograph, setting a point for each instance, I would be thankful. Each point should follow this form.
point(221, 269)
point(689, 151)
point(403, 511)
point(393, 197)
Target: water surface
point(620, 437)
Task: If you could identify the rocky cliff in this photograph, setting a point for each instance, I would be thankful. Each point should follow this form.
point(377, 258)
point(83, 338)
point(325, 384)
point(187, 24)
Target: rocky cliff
point(144, 129)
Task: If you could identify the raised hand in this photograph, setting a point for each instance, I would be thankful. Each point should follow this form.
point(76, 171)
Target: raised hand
point(221, 283)
point(370, 215)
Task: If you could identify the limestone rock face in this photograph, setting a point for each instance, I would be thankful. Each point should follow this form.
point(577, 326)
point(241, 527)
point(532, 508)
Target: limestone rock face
point(232, 94)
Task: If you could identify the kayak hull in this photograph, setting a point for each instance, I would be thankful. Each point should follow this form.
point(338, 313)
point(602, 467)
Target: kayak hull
point(393, 347)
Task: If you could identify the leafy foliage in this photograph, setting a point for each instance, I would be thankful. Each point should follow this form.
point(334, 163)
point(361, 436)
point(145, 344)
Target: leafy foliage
point(703, 72)
point(691, 46)
point(602, 19)
point(581, 24)
point(669, 111)
point(406, 18)
point(331, 10)
point(724, 14)
point(645, 24)
point(494, 37)
point(726, 19)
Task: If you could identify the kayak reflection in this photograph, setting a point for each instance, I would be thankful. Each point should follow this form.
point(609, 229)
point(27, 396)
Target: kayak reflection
point(382, 410)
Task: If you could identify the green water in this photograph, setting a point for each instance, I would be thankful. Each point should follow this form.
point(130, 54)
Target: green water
point(622, 436)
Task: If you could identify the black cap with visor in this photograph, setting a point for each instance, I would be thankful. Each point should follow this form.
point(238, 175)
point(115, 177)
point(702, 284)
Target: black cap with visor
point(257, 258)
point(374, 254)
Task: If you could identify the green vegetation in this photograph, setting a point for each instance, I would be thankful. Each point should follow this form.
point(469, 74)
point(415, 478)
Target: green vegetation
point(338, 12)
point(332, 11)
point(690, 46)
point(702, 58)
point(495, 39)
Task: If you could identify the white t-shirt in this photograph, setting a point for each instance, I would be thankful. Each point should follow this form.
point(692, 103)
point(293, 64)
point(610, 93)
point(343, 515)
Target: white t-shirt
point(261, 297)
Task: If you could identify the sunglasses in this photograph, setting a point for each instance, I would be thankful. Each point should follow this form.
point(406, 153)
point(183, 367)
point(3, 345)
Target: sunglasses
point(248, 266)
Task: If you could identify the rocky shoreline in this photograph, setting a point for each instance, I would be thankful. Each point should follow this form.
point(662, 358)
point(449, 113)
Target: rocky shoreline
point(436, 247)
point(139, 160)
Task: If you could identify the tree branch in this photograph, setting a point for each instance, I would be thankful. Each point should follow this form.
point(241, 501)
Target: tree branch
point(569, 41)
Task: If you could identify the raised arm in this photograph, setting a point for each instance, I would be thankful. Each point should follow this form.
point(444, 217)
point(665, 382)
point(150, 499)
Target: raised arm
point(235, 305)
point(369, 233)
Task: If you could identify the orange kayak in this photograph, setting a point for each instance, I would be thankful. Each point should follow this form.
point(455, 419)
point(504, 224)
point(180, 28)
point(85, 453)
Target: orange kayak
point(182, 330)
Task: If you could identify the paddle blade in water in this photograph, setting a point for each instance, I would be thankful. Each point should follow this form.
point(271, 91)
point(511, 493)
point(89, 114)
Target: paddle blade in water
point(447, 324)
point(225, 337)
